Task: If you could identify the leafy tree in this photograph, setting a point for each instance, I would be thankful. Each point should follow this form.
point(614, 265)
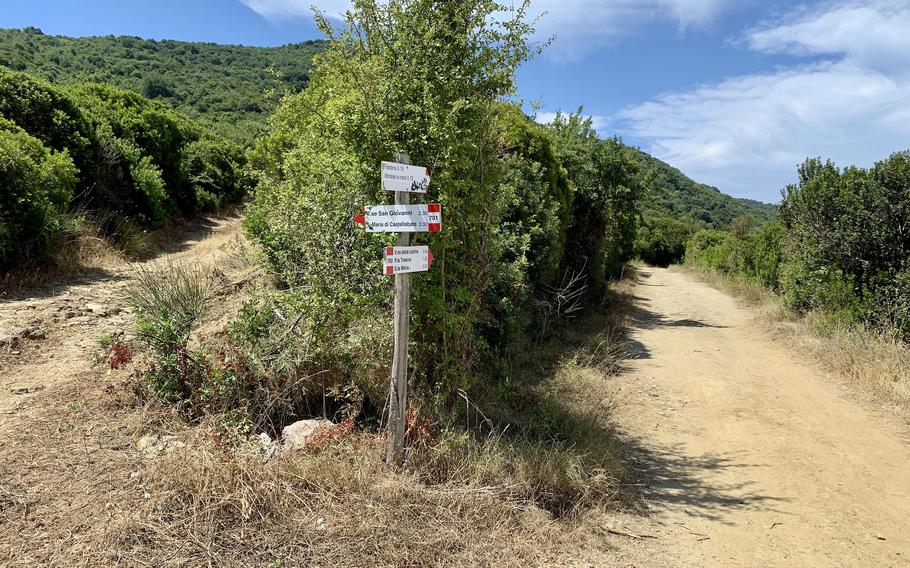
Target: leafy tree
point(607, 184)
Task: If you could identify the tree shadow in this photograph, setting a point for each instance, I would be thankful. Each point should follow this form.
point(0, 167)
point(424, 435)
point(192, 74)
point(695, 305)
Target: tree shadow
point(653, 475)
point(643, 318)
point(663, 476)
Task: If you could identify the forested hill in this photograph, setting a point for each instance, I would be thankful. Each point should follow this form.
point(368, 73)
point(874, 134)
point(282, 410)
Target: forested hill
point(677, 196)
point(224, 87)
point(232, 89)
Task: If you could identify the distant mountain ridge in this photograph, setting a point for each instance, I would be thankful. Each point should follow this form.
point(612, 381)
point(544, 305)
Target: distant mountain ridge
point(232, 89)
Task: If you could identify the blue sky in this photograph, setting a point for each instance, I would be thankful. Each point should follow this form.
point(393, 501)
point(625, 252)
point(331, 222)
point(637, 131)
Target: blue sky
point(733, 92)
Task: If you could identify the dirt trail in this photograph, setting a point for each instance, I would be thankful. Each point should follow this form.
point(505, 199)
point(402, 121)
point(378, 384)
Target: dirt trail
point(50, 335)
point(751, 456)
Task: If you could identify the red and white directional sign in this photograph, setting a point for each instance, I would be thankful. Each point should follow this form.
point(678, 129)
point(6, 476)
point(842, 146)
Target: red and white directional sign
point(400, 260)
point(403, 177)
point(402, 218)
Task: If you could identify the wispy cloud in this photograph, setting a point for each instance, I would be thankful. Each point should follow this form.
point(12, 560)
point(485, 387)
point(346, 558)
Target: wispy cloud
point(580, 26)
point(746, 134)
point(289, 9)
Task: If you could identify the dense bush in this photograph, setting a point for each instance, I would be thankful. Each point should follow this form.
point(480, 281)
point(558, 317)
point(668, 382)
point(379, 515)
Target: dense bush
point(223, 87)
point(661, 241)
point(847, 241)
point(842, 246)
point(757, 255)
point(607, 184)
point(513, 194)
point(36, 185)
point(136, 162)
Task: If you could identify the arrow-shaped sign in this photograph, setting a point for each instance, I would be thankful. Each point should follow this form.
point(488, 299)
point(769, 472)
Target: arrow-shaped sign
point(403, 177)
point(401, 260)
point(401, 218)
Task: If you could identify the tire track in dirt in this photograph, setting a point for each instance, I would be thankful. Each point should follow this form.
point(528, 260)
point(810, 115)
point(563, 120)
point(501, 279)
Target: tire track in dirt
point(750, 455)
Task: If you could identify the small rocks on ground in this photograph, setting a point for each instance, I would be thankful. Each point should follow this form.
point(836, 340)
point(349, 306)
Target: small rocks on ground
point(295, 436)
point(156, 443)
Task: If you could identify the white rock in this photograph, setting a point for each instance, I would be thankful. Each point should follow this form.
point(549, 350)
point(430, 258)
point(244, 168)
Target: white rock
point(295, 436)
point(96, 309)
point(153, 444)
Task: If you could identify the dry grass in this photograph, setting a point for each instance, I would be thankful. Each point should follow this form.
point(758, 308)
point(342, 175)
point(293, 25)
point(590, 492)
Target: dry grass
point(73, 480)
point(83, 250)
point(873, 363)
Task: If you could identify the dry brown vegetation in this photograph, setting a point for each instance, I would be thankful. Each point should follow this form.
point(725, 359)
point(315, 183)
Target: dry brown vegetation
point(874, 363)
point(73, 479)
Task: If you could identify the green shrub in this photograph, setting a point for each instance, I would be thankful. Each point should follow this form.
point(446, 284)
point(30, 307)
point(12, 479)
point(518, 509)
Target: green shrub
point(215, 169)
point(847, 240)
point(36, 185)
point(50, 115)
point(662, 241)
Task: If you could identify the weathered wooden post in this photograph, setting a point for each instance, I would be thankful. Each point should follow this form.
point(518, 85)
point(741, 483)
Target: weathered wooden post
point(402, 218)
point(398, 393)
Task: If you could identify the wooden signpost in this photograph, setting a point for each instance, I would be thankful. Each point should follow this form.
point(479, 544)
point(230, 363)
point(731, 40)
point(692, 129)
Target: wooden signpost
point(402, 260)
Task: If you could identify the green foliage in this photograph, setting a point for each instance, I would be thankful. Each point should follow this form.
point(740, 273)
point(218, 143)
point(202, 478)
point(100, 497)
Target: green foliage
point(848, 247)
point(35, 187)
point(226, 88)
point(214, 167)
point(756, 256)
point(842, 246)
point(50, 115)
point(678, 197)
point(661, 241)
point(131, 162)
point(168, 301)
point(606, 183)
point(513, 194)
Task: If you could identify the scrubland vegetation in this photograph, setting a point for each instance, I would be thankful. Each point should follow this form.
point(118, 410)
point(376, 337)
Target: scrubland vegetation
point(230, 89)
point(839, 259)
point(516, 196)
point(93, 155)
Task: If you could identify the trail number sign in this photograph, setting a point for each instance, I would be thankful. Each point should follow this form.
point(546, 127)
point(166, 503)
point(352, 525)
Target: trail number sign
point(402, 218)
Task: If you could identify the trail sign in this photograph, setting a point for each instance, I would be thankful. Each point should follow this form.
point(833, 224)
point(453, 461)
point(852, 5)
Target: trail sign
point(404, 177)
point(402, 218)
point(402, 260)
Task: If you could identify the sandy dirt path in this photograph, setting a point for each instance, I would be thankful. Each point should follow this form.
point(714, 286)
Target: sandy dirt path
point(749, 454)
point(49, 335)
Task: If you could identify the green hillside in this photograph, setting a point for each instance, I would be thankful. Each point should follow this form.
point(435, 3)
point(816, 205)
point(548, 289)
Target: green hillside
point(228, 88)
point(232, 89)
point(677, 196)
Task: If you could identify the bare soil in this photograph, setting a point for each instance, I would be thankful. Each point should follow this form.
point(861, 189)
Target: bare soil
point(750, 456)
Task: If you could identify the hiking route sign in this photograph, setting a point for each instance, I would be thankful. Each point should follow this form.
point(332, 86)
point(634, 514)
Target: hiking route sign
point(402, 260)
point(402, 218)
point(404, 177)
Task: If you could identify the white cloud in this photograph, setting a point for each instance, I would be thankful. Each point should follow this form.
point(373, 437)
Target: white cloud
point(580, 26)
point(875, 33)
point(286, 9)
point(747, 134)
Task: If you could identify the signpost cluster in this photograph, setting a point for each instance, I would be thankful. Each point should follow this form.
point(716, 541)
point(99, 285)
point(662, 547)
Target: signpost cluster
point(400, 261)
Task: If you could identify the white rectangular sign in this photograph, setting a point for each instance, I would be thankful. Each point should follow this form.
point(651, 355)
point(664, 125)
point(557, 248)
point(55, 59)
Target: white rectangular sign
point(402, 218)
point(402, 177)
point(400, 260)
